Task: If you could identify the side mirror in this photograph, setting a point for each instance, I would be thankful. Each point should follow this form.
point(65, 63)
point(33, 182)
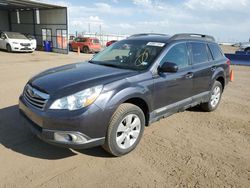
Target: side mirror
point(168, 67)
point(3, 37)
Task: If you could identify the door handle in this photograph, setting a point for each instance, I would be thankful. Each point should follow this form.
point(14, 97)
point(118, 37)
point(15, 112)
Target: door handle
point(213, 68)
point(189, 75)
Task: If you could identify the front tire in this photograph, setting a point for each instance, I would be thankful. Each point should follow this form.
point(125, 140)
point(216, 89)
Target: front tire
point(214, 99)
point(8, 48)
point(125, 130)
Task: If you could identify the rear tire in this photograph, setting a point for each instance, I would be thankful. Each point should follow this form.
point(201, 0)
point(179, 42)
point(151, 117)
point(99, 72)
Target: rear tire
point(125, 129)
point(85, 50)
point(8, 48)
point(214, 98)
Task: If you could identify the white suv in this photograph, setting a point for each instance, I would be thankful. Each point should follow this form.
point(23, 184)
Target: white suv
point(13, 41)
point(245, 46)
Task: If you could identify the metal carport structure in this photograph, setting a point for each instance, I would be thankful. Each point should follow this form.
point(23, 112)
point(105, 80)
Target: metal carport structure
point(46, 22)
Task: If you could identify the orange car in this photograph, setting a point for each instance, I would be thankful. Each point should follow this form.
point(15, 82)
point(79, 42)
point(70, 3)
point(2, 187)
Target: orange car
point(86, 44)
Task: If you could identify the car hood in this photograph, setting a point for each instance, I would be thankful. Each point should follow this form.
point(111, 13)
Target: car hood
point(76, 77)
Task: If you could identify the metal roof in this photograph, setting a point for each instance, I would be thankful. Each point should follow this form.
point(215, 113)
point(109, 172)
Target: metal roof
point(25, 5)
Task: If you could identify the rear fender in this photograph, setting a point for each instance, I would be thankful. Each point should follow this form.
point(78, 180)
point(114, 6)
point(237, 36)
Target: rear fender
point(219, 72)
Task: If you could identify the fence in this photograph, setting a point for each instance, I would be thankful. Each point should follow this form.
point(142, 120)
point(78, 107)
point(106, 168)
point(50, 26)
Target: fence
point(104, 38)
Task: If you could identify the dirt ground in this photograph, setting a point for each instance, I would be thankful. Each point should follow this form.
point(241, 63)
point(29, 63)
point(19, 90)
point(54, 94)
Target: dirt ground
point(229, 49)
point(188, 149)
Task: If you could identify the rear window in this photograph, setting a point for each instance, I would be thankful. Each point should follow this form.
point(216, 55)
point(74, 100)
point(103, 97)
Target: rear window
point(216, 51)
point(199, 52)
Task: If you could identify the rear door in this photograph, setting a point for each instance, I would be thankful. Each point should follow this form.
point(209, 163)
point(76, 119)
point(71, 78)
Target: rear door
point(202, 66)
point(173, 90)
point(95, 43)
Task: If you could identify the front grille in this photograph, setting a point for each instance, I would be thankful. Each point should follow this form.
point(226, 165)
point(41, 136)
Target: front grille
point(25, 48)
point(25, 44)
point(35, 98)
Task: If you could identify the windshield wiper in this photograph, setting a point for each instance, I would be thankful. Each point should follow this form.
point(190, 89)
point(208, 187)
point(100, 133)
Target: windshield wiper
point(90, 61)
point(109, 65)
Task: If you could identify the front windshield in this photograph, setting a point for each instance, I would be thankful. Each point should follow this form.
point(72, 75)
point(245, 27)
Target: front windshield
point(13, 35)
point(129, 54)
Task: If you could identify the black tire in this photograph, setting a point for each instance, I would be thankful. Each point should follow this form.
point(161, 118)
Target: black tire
point(8, 48)
point(208, 107)
point(122, 112)
point(85, 50)
point(70, 48)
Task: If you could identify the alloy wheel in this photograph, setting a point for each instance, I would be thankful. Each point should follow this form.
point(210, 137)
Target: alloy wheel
point(128, 131)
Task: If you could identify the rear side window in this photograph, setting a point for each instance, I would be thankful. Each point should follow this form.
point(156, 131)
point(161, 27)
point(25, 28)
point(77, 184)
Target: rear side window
point(178, 55)
point(83, 40)
point(95, 41)
point(216, 51)
point(198, 52)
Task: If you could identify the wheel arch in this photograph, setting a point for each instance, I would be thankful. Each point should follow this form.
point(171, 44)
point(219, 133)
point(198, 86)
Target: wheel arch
point(221, 79)
point(85, 46)
point(132, 95)
point(142, 104)
point(219, 76)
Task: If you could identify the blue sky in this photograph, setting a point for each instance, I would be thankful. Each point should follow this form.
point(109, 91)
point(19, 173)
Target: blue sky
point(227, 20)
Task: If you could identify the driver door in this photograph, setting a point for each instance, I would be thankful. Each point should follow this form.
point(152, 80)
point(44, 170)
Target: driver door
point(173, 91)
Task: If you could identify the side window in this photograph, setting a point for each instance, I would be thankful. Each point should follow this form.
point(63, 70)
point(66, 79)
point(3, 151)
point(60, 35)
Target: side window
point(77, 39)
point(216, 52)
point(210, 57)
point(82, 40)
point(178, 55)
point(198, 52)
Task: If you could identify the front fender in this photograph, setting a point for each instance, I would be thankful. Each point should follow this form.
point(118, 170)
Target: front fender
point(112, 99)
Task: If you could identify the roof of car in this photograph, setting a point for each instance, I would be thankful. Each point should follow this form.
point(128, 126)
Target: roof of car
point(167, 38)
point(150, 37)
point(10, 32)
point(87, 37)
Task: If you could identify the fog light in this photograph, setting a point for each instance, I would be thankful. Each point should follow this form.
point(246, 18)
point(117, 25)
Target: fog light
point(69, 137)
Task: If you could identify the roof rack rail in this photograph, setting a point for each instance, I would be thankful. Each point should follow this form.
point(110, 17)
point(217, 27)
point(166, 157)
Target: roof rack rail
point(146, 34)
point(192, 36)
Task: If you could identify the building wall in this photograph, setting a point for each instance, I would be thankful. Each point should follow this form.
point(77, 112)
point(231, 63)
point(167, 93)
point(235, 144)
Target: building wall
point(52, 19)
point(49, 19)
point(26, 22)
point(4, 23)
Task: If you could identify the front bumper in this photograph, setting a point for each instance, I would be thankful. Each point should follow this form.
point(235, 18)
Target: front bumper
point(20, 48)
point(54, 131)
point(94, 50)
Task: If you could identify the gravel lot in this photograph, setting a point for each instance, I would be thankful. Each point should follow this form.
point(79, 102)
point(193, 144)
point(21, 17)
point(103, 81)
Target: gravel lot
point(188, 149)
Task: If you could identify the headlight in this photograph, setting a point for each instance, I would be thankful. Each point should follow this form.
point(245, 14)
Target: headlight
point(78, 100)
point(15, 43)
